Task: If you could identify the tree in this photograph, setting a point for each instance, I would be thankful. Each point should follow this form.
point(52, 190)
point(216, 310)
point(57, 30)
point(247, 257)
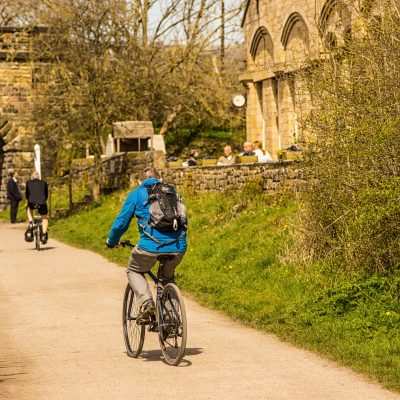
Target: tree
point(352, 212)
point(118, 60)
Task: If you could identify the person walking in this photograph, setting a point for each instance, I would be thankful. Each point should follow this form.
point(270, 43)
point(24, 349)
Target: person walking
point(168, 246)
point(13, 194)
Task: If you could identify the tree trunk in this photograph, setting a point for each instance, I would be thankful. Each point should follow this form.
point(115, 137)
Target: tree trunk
point(169, 120)
point(222, 36)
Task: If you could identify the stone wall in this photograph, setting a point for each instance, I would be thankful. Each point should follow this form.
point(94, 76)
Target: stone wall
point(16, 97)
point(122, 171)
point(272, 177)
point(112, 173)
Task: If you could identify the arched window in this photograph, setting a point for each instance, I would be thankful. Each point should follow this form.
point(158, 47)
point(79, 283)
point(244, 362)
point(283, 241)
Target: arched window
point(295, 37)
point(262, 48)
point(335, 23)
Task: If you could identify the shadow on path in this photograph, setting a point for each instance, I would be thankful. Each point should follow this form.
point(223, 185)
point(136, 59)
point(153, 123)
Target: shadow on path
point(156, 355)
point(45, 248)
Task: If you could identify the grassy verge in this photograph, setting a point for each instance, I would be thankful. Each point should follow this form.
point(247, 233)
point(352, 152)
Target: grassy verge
point(233, 265)
point(58, 200)
point(21, 216)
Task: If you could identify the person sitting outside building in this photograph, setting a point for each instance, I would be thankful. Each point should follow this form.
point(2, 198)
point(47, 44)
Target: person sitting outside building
point(36, 193)
point(247, 149)
point(228, 158)
point(294, 147)
point(194, 157)
point(263, 155)
point(13, 195)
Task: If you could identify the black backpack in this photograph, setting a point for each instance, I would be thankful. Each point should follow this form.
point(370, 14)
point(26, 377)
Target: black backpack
point(167, 211)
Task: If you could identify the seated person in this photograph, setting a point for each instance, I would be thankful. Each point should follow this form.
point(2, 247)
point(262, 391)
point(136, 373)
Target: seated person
point(194, 157)
point(293, 147)
point(263, 155)
point(247, 149)
point(36, 192)
point(227, 158)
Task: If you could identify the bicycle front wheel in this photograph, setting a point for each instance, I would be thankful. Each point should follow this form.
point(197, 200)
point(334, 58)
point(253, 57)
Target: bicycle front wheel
point(133, 333)
point(172, 324)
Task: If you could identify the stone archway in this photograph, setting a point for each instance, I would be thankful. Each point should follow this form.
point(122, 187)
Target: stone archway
point(335, 23)
point(295, 40)
point(262, 49)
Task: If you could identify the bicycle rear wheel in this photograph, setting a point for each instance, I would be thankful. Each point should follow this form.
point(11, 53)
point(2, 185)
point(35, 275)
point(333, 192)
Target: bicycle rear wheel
point(37, 237)
point(133, 333)
point(172, 331)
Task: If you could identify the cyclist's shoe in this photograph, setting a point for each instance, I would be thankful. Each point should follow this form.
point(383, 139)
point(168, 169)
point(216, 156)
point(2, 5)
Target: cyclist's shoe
point(147, 309)
point(45, 238)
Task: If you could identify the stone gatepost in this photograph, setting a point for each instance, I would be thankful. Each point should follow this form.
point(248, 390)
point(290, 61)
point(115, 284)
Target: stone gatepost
point(16, 97)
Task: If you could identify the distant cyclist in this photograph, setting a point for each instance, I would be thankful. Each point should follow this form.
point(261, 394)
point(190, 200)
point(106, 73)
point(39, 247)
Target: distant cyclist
point(167, 246)
point(36, 193)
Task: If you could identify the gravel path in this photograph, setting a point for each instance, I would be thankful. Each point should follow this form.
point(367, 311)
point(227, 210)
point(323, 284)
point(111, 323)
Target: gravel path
point(61, 338)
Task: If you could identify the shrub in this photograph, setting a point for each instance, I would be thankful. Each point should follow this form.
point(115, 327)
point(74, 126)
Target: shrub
point(352, 211)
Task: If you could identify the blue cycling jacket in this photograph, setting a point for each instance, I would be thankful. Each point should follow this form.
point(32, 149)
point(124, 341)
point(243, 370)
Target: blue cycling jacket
point(136, 206)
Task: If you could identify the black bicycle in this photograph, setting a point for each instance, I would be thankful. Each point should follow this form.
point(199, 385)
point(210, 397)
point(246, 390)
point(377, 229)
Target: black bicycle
point(37, 230)
point(169, 320)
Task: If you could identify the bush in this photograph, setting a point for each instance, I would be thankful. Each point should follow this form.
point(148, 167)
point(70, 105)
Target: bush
point(353, 210)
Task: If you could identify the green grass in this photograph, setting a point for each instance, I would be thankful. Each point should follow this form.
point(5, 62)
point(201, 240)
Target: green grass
point(21, 216)
point(58, 200)
point(233, 265)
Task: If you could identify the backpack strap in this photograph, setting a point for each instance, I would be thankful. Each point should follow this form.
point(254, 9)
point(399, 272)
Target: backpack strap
point(160, 244)
point(150, 192)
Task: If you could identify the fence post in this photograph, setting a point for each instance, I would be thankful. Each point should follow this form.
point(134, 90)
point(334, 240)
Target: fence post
point(70, 191)
point(95, 187)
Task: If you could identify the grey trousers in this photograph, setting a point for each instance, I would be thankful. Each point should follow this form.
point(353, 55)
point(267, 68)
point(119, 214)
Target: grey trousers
point(142, 261)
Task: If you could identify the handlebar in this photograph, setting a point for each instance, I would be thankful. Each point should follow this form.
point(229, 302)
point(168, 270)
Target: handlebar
point(126, 243)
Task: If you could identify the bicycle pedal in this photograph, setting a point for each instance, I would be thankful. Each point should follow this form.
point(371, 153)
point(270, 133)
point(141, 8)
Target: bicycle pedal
point(152, 328)
point(143, 322)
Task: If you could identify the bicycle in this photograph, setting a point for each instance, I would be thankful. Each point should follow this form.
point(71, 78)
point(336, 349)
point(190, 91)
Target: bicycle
point(169, 320)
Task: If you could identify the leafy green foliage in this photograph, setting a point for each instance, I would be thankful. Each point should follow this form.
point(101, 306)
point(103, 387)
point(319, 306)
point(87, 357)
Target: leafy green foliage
point(352, 212)
point(209, 141)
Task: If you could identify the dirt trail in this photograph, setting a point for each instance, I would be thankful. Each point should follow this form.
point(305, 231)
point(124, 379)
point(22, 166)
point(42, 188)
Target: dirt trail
point(61, 338)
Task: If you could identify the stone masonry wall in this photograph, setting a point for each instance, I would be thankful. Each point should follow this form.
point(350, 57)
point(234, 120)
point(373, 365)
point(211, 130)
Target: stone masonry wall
point(122, 171)
point(113, 173)
point(16, 96)
point(273, 177)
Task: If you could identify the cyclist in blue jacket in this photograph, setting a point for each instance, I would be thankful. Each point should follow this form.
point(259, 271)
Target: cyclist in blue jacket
point(167, 247)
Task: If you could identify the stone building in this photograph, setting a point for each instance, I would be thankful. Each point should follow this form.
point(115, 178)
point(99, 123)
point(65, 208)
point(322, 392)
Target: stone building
point(17, 78)
point(280, 36)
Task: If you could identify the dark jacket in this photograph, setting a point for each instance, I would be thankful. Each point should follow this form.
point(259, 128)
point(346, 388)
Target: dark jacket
point(36, 191)
point(13, 192)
